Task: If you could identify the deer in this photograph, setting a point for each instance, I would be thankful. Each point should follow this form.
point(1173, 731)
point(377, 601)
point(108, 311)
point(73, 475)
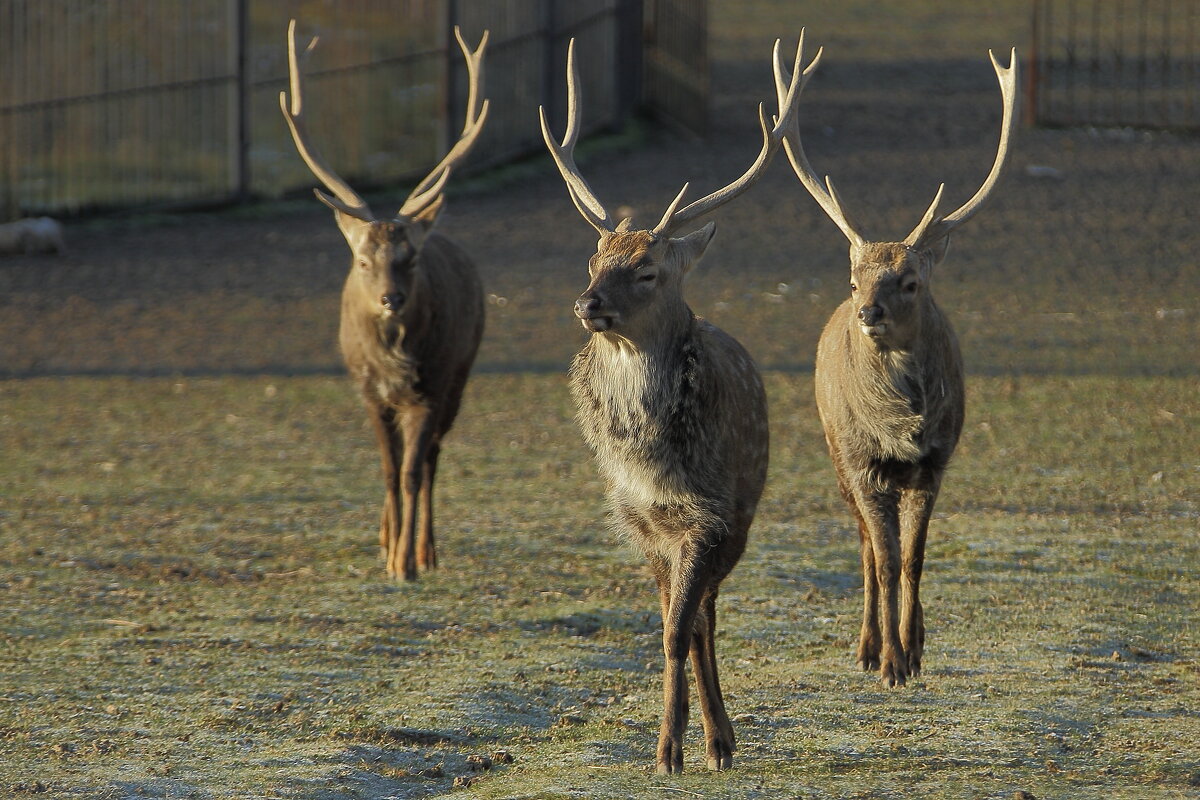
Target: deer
point(674, 411)
point(412, 315)
point(889, 391)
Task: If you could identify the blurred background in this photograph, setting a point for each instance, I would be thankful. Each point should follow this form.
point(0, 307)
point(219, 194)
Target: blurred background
point(192, 245)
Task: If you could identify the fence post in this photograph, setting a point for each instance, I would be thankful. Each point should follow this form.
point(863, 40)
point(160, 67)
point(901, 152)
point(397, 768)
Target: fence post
point(549, 68)
point(1031, 73)
point(239, 103)
point(452, 56)
point(629, 56)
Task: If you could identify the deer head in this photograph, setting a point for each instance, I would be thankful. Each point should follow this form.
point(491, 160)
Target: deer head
point(889, 281)
point(385, 252)
point(636, 274)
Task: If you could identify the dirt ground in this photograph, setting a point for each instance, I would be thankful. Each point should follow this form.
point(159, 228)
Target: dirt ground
point(1091, 270)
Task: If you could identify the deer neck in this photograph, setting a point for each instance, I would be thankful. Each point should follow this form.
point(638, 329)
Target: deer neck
point(659, 336)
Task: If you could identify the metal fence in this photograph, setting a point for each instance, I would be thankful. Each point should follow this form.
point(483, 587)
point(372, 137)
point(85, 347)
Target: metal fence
point(134, 103)
point(1116, 63)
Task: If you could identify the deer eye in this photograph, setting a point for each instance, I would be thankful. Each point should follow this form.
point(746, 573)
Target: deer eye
point(910, 287)
point(853, 286)
point(647, 277)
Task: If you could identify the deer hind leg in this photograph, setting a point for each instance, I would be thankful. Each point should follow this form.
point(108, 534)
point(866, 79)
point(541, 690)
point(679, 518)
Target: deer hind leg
point(391, 448)
point(880, 515)
point(916, 507)
point(719, 740)
point(426, 554)
point(417, 430)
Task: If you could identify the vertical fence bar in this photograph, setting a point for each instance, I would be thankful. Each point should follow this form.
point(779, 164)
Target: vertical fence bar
point(549, 68)
point(1033, 71)
point(238, 90)
point(629, 56)
point(450, 61)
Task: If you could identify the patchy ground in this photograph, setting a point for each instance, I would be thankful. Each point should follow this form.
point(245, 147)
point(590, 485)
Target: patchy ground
point(192, 606)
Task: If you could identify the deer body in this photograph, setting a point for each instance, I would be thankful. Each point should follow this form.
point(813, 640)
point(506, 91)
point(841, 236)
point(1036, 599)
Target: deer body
point(411, 321)
point(889, 387)
point(892, 410)
point(411, 367)
point(674, 410)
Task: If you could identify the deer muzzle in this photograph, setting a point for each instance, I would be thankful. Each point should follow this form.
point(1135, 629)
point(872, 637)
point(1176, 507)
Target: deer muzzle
point(871, 320)
point(392, 302)
point(590, 310)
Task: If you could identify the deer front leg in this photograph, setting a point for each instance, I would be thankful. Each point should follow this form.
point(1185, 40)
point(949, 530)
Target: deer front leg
point(719, 741)
point(426, 554)
point(417, 429)
point(879, 510)
point(688, 582)
point(868, 636)
point(383, 420)
point(916, 507)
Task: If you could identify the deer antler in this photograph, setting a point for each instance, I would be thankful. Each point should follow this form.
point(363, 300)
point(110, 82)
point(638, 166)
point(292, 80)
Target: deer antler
point(772, 138)
point(564, 155)
point(928, 230)
point(428, 190)
point(823, 192)
point(344, 198)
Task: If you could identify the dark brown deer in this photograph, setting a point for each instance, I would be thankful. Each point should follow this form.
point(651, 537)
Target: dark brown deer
point(889, 386)
point(411, 321)
point(674, 409)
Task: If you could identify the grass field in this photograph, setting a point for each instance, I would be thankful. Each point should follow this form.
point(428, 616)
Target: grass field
point(191, 601)
point(194, 606)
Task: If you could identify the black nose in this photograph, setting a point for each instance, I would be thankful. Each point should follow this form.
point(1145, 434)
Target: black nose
point(393, 301)
point(870, 314)
point(587, 305)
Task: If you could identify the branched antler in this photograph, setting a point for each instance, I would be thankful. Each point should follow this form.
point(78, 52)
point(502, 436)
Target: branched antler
point(430, 188)
point(564, 155)
point(929, 231)
point(344, 198)
point(772, 137)
point(593, 210)
point(931, 227)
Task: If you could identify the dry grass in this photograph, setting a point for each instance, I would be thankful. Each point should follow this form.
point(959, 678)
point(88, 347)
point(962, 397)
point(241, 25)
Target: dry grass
point(192, 605)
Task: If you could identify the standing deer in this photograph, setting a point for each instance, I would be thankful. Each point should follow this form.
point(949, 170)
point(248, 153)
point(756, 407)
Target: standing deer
point(411, 321)
point(889, 387)
point(675, 412)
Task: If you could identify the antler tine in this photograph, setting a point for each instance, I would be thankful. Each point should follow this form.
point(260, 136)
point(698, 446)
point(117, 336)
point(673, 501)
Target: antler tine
point(772, 138)
point(344, 198)
point(428, 190)
point(822, 191)
point(927, 230)
point(564, 155)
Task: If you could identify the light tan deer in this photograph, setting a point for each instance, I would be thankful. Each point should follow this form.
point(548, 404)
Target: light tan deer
point(889, 389)
point(674, 409)
point(411, 321)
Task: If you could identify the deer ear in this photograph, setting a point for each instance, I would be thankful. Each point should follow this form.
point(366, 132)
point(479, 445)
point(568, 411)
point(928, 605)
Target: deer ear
point(937, 251)
point(692, 246)
point(423, 222)
point(353, 228)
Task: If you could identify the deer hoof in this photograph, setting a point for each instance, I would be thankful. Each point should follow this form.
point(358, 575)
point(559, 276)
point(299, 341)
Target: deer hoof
point(670, 758)
point(719, 756)
point(893, 673)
